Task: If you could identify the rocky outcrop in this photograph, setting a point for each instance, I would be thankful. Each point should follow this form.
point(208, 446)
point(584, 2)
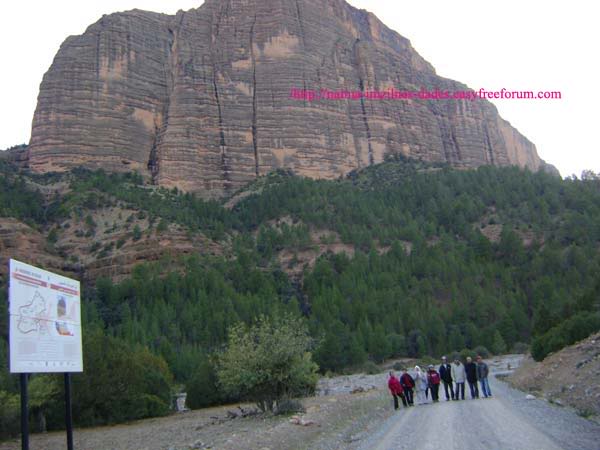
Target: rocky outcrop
point(567, 377)
point(16, 155)
point(72, 256)
point(201, 100)
point(21, 242)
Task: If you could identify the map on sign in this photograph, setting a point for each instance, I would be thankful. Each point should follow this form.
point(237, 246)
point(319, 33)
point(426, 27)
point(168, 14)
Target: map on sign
point(28, 321)
point(45, 321)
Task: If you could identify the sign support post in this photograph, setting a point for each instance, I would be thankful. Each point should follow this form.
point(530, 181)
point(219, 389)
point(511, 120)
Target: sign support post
point(68, 411)
point(24, 413)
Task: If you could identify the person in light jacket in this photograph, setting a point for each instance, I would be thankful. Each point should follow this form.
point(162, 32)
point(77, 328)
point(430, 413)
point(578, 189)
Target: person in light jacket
point(420, 385)
point(482, 375)
point(459, 376)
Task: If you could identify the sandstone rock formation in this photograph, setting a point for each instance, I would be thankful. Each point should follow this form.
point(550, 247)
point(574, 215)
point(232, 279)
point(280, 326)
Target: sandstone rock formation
point(201, 100)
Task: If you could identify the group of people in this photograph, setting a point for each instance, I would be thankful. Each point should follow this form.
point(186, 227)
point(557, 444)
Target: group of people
point(452, 376)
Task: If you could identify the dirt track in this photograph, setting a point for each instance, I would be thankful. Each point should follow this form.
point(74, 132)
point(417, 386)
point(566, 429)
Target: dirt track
point(363, 421)
point(507, 421)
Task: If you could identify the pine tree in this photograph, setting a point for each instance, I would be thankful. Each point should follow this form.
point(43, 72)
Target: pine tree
point(499, 346)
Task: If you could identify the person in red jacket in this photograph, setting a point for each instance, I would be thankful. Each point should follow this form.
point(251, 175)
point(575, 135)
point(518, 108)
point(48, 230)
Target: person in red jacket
point(433, 377)
point(408, 384)
point(396, 389)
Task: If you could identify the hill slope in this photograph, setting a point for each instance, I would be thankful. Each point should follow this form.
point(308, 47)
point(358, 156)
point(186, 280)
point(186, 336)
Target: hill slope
point(567, 377)
point(402, 258)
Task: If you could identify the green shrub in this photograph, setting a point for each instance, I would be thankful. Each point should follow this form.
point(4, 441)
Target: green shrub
point(10, 414)
point(482, 351)
point(137, 233)
point(202, 388)
point(152, 406)
point(268, 362)
point(52, 236)
point(290, 406)
point(499, 344)
point(370, 368)
point(163, 225)
point(119, 383)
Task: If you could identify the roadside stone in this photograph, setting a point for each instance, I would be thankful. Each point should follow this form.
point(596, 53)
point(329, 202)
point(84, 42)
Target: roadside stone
point(297, 420)
point(530, 397)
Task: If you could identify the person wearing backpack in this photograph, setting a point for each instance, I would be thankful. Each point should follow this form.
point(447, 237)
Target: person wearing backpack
point(433, 378)
point(471, 371)
point(458, 373)
point(482, 374)
point(446, 376)
point(396, 390)
point(408, 384)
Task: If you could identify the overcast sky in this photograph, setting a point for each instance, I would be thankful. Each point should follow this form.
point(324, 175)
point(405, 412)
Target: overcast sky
point(512, 44)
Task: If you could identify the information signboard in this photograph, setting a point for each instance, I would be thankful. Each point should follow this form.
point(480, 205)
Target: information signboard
point(45, 321)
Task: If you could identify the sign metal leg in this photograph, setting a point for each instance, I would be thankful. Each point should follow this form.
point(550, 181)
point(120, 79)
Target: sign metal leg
point(24, 413)
point(68, 412)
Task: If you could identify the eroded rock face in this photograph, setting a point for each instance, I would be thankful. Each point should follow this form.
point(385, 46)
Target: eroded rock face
point(201, 100)
point(21, 242)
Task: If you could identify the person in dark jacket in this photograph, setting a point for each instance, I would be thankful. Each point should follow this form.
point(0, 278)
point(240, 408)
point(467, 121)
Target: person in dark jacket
point(408, 384)
point(396, 390)
point(482, 375)
point(433, 377)
point(471, 370)
point(446, 376)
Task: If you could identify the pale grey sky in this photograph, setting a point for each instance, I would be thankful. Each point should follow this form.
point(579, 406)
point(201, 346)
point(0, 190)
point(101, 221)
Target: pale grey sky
point(512, 44)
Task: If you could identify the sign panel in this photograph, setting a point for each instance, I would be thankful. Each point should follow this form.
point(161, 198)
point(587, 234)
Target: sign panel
point(45, 321)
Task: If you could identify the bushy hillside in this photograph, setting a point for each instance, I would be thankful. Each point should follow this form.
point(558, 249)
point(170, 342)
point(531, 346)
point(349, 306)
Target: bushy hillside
point(403, 258)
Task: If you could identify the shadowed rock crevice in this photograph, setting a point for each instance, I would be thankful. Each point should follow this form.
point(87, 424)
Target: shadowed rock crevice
point(361, 87)
point(254, 101)
point(222, 143)
point(488, 144)
point(300, 24)
point(162, 121)
point(457, 156)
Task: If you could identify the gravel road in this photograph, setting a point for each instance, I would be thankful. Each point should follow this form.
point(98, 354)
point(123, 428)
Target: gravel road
point(363, 420)
point(506, 421)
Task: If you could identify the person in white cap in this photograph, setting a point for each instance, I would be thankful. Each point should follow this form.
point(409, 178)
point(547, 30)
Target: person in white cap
point(459, 376)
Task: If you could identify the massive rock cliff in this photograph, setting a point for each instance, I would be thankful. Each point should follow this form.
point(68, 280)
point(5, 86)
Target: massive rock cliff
point(201, 100)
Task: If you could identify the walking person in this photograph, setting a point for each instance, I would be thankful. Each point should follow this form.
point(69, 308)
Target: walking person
point(408, 384)
point(446, 376)
point(459, 376)
point(420, 385)
point(433, 377)
point(482, 375)
point(396, 389)
point(471, 372)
